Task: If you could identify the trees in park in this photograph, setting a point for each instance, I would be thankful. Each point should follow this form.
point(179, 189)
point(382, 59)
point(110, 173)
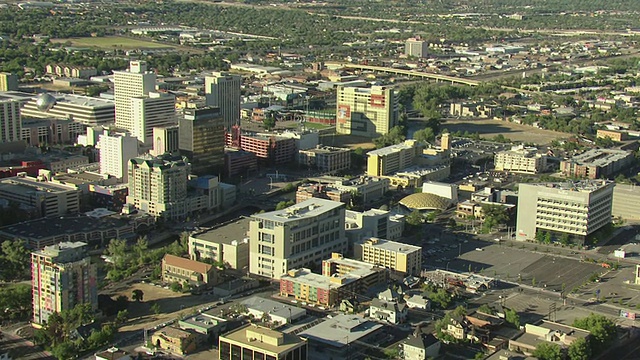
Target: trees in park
point(137, 295)
point(603, 331)
point(394, 136)
point(494, 215)
point(14, 260)
point(580, 349)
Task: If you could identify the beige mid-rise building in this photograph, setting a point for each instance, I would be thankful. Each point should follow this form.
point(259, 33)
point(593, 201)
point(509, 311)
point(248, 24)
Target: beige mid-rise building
point(257, 342)
point(392, 255)
point(299, 236)
point(128, 84)
point(521, 159)
point(576, 208)
point(394, 158)
point(366, 111)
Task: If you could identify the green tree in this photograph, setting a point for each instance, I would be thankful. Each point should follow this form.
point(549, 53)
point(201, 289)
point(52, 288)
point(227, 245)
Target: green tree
point(64, 351)
point(284, 204)
point(547, 238)
point(494, 215)
point(484, 308)
point(512, 317)
point(441, 298)
point(425, 135)
point(565, 239)
point(394, 136)
point(14, 260)
point(176, 286)
point(137, 295)
point(603, 330)
point(269, 122)
point(580, 349)
point(122, 316)
point(155, 308)
point(415, 218)
point(15, 301)
point(548, 351)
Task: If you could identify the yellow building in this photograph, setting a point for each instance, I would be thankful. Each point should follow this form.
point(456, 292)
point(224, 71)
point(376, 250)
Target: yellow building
point(8, 82)
point(366, 111)
point(390, 254)
point(394, 158)
point(188, 272)
point(257, 342)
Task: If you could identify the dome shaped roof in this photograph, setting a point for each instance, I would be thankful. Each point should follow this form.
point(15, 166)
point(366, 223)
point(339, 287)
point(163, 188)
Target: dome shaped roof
point(425, 201)
point(45, 102)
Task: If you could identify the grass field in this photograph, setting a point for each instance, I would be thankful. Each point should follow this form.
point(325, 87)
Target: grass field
point(515, 132)
point(110, 42)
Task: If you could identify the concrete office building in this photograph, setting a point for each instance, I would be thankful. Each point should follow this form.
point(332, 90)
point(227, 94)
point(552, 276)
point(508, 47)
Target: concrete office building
point(391, 159)
point(165, 140)
point(366, 112)
point(575, 208)
point(150, 111)
point(116, 149)
point(10, 124)
point(416, 47)
point(625, 202)
point(158, 186)
point(257, 342)
point(43, 198)
point(8, 82)
point(222, 90)
point(202, 139)
point(37, 132)
point(62, 276)
point(597, 163)
point(373, 223)
point(392, 255)
point(299, 236)
point(326, 159)
point(228, 244)
point(520, 159)
point(128, 84)
point(89, 111)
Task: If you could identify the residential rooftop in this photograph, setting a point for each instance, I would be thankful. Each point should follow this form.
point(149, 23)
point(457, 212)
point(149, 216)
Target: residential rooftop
point(341, 330)
point(390, 245)
point(307, 209)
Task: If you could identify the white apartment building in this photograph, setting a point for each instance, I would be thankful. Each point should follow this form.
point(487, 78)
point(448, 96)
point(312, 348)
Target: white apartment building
point(416, 47)
point(520, 159)
point(299, 236)
point(366, 111)
point(393, 255)
point(10, 126)
point(576, 208)
point(158, 185)
point(116, 149)
point(222, 90)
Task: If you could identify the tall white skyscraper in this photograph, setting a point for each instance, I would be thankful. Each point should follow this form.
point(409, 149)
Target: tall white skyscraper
point(138, 107)
point(116, 149)
point(9, 121)
point(222, 90)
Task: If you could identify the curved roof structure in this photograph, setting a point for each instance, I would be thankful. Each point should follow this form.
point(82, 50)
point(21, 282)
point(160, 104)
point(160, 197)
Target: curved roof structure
point(425, 201)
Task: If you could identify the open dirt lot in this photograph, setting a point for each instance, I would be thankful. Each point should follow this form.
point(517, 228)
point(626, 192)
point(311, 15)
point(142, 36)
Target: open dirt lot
point(513, 131)
point(110, 42)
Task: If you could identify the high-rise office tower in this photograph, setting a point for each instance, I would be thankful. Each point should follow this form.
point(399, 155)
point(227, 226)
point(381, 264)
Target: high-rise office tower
point(138, 107)
point(62, 277)
point(222, 90)
point(10, 120)
point(149, 111)
point(116, 149)
point(416, 47)
point(366, 111)
point(202, 139)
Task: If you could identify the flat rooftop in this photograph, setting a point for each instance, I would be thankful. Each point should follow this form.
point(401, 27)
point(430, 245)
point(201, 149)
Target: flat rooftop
point(599, 157)
point(341, 330)
point(246, 336)
point(80, 100)
point(237, 230)
point(273, 307)
point(16, 95)
point(390, 245)
point(54, 249)
point(27, 185)
point(581, 185)
point(203, 320)
point(392, 149)
point(307, 209)
point(78, 178)
point(326, 150)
